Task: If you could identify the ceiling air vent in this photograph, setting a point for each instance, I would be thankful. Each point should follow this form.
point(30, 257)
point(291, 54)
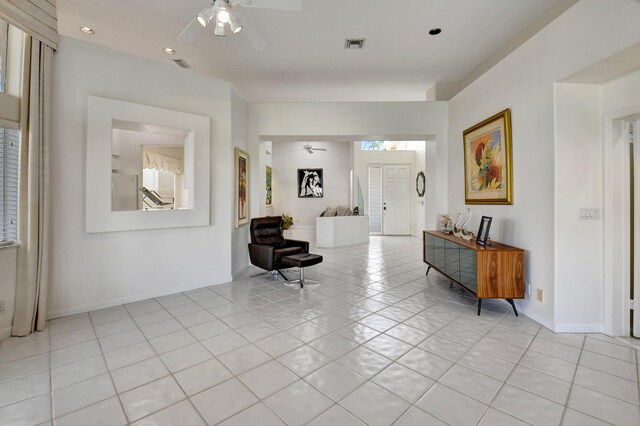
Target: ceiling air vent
point(181, 63)
point(354, 43)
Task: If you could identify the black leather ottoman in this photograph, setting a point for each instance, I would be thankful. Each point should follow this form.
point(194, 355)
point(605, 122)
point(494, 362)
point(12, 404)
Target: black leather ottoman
point(301, 261)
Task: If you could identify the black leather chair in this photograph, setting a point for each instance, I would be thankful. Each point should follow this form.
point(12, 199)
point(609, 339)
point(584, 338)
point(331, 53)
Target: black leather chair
point(268, 245)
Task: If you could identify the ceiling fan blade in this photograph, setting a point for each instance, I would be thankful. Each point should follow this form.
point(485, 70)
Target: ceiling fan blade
point(251, 33)
point(190, 32)
point(273, 4)
point(319, 149)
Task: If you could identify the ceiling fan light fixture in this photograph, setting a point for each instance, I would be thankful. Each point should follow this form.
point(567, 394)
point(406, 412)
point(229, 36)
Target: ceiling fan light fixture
point(220, 31)
point(234, 26)
point(223, 15)
point(205, 16)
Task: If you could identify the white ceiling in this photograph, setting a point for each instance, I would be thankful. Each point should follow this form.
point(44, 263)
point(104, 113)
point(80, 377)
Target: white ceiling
point(306, 59)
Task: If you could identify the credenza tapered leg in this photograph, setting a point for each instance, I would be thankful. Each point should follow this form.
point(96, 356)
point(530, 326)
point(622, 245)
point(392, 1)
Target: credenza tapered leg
point(513, 305)
point(428, 269)
point(479, 306)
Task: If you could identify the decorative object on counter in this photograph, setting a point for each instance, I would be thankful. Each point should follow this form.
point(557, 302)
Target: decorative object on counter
point(487, 161)
point(483, 231)
point(420, 184)
point(287, 221)
point(446, 224)
point(356, 211)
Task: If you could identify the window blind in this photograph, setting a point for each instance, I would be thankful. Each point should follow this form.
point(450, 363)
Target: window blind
point(9, 170)
point(160, 181)
point(375, 199)
point(35, 17)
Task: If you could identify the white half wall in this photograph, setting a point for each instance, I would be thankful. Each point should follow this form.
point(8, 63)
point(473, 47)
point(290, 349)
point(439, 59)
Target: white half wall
point(91, 271)
point(353, 121)
point(587, 33)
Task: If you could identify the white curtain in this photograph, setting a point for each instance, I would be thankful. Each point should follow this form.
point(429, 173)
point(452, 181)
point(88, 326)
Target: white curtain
point(151, 160)
point(33, 221)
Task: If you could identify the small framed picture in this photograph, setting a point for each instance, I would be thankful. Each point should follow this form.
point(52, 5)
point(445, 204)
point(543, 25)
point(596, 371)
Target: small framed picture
point(483, 231)
point(310, 183)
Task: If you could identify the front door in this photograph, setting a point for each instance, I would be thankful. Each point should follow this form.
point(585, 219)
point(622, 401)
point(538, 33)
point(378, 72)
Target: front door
point(396, 200)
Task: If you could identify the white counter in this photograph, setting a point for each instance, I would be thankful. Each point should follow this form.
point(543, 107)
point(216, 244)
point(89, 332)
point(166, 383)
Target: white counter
point(341, 231)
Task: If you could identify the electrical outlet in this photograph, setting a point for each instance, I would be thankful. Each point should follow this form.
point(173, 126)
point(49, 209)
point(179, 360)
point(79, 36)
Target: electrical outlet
point(540, 294)
point(1, 307)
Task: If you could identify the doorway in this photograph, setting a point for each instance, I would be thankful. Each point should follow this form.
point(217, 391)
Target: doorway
point(390, 199)
point(622, 225)
point(632, 130)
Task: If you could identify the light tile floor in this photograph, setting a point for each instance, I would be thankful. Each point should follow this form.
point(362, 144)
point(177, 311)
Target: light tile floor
point(376, 343)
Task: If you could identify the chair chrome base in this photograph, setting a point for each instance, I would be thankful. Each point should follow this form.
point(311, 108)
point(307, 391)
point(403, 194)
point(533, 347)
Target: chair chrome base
point(275, 273)
point(301, 281)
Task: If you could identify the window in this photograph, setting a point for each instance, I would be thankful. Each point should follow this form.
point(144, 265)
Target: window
point(4, 37)
point(9, 166)
point(159, 181)
point(12, 42)
point(387, 146)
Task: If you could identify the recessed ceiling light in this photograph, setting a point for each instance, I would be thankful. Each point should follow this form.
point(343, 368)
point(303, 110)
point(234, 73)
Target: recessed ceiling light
point(168, 51)
point(435, 31)
point(87, 30)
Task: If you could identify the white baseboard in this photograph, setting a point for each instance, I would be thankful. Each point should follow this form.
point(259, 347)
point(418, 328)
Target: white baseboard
point(72, 310)
point(4, 333)
point(240, 271)
point(578, 328)
point(542, 321)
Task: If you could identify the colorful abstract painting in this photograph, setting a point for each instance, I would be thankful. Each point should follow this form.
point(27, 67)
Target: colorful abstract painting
point(242, 186)
point(487, 161)
point(269, 198)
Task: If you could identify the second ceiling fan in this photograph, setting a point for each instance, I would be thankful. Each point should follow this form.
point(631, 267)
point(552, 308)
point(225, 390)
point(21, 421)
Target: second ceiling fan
point(225, 18)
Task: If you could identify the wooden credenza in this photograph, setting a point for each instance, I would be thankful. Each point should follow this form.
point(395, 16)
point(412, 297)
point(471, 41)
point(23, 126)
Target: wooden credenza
point(494, 271)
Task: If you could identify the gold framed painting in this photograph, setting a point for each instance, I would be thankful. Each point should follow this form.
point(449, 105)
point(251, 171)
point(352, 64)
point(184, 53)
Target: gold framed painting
point(242, 186)
point(269, 197)
point(487, 161)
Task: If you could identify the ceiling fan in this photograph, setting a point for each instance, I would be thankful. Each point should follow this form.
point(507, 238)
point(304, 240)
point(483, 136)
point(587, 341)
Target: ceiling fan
point(310, 149)
point(224, 17)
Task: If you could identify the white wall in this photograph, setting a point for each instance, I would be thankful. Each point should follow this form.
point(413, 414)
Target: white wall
point(7, 288)
point(91, 271)
point(240, 235)
point(587, 33)
point(362, 160)
point(420, 202)
point(578, 184)
point(354, 121)
point(287, 158)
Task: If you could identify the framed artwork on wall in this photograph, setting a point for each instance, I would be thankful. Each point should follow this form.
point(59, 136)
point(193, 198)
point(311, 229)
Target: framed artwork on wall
point(310, 184)
point(269, 198)
point(487, 161)
point(241, 166)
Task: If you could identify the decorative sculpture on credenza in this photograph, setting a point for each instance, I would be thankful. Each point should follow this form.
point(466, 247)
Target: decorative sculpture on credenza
point(446, 224)
point(456, 225)
point(459, 226)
